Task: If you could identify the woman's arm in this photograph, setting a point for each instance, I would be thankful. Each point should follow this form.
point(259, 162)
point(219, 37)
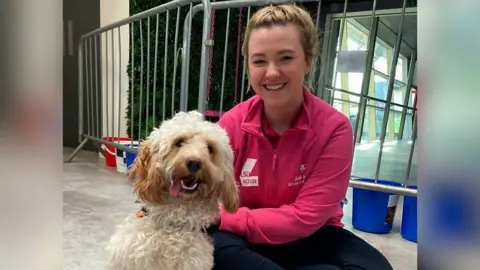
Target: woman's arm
point(317, 201)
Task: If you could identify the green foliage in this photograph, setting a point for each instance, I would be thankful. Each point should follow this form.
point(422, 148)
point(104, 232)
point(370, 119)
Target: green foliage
point(148, 104)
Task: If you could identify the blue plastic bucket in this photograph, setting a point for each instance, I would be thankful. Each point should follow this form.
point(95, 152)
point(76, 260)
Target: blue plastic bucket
point(374, 211)
point(409, 217)
point(130, 157)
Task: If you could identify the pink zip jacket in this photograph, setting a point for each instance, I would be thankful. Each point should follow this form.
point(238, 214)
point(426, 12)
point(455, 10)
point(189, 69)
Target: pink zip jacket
point(288, 192)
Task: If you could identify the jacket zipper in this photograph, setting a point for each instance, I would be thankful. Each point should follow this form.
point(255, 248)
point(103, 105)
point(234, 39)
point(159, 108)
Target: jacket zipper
point(272, 179)
point(274, 166)
point(274, 162)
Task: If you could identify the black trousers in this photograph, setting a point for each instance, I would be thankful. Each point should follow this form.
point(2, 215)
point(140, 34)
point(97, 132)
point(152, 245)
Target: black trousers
point(330, 248)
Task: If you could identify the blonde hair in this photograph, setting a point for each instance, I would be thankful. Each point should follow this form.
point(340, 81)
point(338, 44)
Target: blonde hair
point(281, 15)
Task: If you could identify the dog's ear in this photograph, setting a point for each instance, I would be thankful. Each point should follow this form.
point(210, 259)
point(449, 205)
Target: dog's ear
point(148, 179)
point(229, 193)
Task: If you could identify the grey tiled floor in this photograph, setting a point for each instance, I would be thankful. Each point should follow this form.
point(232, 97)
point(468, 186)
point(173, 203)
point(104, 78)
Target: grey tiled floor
point(96, 198)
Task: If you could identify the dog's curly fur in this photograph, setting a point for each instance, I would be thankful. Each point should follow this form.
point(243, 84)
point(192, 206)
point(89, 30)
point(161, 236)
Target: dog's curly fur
point(170, 237)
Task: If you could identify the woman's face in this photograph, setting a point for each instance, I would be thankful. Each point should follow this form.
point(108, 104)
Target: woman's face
point(277, 64)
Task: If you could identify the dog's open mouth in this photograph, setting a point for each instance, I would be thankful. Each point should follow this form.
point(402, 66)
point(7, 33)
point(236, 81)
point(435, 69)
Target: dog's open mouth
point(187, 185)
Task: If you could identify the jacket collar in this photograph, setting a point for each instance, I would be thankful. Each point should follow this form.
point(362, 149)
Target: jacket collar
point(254, 116)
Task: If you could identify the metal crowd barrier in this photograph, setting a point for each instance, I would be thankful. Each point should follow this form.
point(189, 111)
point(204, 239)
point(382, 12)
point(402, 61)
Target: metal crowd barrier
point(224, 5)
point(100, 74)
point(108, 123)
point(326, 91)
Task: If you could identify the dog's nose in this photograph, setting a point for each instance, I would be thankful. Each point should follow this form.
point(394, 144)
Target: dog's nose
point(194, 165)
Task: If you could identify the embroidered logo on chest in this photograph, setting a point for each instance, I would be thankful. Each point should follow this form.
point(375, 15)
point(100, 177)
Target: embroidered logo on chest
point(246, 178)
point(299, 178)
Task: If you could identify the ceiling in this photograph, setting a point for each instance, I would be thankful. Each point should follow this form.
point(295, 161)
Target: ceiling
point(388, 29)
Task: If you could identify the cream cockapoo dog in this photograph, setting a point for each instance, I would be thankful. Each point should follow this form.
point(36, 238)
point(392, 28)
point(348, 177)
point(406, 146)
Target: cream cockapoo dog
point(182, 171)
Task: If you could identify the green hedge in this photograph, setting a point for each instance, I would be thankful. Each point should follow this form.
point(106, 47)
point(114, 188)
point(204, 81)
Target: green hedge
point(137, 6)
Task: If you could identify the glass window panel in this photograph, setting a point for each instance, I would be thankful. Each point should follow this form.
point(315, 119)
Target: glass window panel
point(398, 96)
point(355, 85)
point(380, 58)
point(347, 107)
point(393, 130)
point(357, 39)
point(380, 87)
point(408, 125)
point(399, 74)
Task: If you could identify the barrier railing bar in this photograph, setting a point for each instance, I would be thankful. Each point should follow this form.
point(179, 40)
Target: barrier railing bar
point(97, 96)
point(246, 3)
point(408, 90)
point(119, 112)
point(165, 62)
point(343, 25)
point(372, 37)
point(107, 89)
point(412, 150)
point(175, 63)
point(112, 144)
point(113, 84)
point(381, 187)
point(132, 74)
point(324, 56)
point(79, 147)
point(147, 95)
point(313, 67)
point(205, 55)
point(141, 83)
point(385, 76)
point(368, 106)
point(80, 92)
point(92, 84)
point(187, 25)
point(368, 97)
point(88, 61)
point(244, 70)
point(380, 13)
point(393, 69)
point(142, 15)
point(224, 68)
point(157, 25)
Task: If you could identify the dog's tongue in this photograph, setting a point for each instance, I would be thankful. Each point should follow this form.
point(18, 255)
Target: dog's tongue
point(175, 188)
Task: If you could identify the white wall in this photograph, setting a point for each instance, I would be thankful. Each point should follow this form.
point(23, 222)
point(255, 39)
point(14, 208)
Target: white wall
point(111, 11)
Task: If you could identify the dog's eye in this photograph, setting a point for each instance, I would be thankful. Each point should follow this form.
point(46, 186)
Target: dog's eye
point(210, 149)
point(179, 142)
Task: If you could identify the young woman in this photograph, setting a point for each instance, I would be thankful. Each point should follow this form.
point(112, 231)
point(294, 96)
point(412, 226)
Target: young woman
point(293, 158)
